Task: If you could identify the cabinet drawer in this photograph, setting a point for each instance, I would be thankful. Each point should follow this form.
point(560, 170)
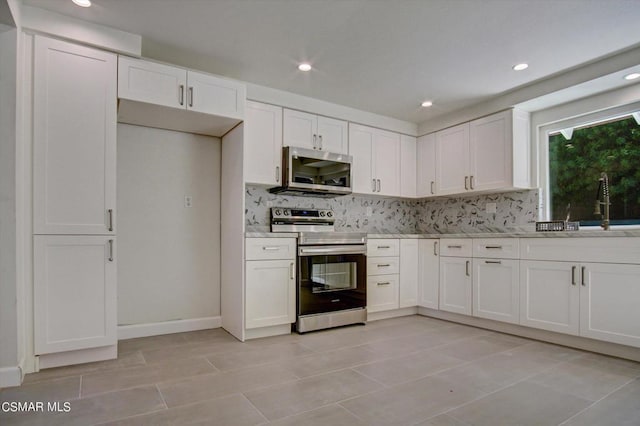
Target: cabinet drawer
point(383, 247)
point(383, 265)
point(382, 293)
point(270, 248)
point(580, 249)
point(457, 247)
point(497, 248)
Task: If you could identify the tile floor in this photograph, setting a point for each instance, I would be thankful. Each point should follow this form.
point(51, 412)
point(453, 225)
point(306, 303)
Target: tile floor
point(403, 371)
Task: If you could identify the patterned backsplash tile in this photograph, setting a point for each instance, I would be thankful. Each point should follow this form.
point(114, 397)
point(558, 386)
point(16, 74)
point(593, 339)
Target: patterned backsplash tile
point(379, 215)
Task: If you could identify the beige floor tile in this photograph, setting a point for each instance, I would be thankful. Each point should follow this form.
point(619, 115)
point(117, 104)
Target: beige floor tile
point(444, 420)
point(209, 335)
point(234, 410)
point(109, 381)
point(152, 342)
point(307, 394)
point(548, 350)
point(609, 364)
point(325, 362)
point(64, 389)
point(330, 415)
point(99, 409)
point(216, 385)
point(477, 347)
point(192, 350)
point(411, 402)
point(125, 360)
point(621, 408)
point(402, 369)
point(342, 338)
point(257, 355)
point(522, 404)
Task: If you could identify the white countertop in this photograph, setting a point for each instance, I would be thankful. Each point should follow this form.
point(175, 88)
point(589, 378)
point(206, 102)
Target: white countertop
point(516, 234)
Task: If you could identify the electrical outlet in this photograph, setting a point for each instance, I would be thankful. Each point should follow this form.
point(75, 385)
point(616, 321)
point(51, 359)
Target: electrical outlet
point(188, 201)
point(491, 207)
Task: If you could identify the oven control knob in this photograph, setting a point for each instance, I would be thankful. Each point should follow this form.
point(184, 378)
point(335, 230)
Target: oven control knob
point(286, 212)
point(329, 214)
point(278, 212)
point(321, 214)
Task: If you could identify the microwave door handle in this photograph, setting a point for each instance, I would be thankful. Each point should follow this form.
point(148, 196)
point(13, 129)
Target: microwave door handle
point(310, 251)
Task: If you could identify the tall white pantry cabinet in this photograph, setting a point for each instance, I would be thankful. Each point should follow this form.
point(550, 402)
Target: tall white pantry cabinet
point(74, 197)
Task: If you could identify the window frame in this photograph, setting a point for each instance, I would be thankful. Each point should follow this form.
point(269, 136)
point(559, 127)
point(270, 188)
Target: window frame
point(544, 210)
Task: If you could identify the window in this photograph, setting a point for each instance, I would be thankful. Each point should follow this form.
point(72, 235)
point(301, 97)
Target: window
point(579, 154)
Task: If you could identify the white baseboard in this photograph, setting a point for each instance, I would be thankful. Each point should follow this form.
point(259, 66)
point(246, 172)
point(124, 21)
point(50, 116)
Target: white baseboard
point(10, 376)
point(167, 327)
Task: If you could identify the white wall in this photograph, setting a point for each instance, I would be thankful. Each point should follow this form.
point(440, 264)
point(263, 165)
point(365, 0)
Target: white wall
point(168, 255)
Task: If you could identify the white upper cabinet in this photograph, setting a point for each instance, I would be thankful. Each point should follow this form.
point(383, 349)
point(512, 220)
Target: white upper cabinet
point(426, 166)
point(488, 154)
point(263, 143)
point(74, 139)
point(376, 160)
point(146, 89)
point(407, 166)
point(311, 131)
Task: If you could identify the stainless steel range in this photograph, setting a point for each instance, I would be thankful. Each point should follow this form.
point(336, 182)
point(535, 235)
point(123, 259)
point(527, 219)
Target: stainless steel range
point(332, 269)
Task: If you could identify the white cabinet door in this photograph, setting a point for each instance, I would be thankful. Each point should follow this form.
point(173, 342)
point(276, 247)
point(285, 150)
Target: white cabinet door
point(74, 292)
point(214, 95)
point(361, 145)
point(382, 293)
point(455, 284)
point(426, 167)
point(496, 289)
point(300, 129)
point(387, 163)
point(333, 135)
point(550, 295)
point(408, 166)
point(452, 157)
point(270, 295)
point(609, 295)
point(429, 273)
point(263, 143)
point(490, 143)
point(150, 82)
point(409, 263)
point(74, 137)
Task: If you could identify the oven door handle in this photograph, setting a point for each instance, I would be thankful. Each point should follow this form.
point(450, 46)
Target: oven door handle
point(310, 251)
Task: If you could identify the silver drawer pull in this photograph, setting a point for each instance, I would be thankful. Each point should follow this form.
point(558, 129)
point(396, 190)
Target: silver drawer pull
point(467, 268)
point(383, 265)
point(493, 247)
point(384, 283)
point(456, 247)
point(291, 270)
point(110, 250)
point(435, 248)
point(384, 247)
point(110, 213)
point(496, 262)
point(270, 248)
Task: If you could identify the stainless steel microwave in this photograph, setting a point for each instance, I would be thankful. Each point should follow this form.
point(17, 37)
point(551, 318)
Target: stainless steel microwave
point(314, 173)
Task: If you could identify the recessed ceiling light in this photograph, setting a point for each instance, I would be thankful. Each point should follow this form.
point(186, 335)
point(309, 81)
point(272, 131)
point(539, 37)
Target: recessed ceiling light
point(426, 103)
point(520, 67)
point(632, 76)
point(83, 3)
point(304, 67)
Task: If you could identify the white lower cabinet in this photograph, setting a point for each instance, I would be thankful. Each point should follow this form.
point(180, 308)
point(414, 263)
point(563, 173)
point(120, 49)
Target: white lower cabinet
point(270, 282)
point(74, 292)
point(496, 289)
point(455, 284)
point(428, 273)
point(383, 275)
point(382, 293)
point(409, 262)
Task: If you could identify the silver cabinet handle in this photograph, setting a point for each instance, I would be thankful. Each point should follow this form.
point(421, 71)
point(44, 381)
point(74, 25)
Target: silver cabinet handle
point(110, 250)
point(583, 273)
point(466, 182)
point(456, 247)
point(383, 265)
point(492, 247)
point(432, 183)
point(277, 173)
point(373, 189)
point(291, 270)
point(471, 182)
point(384, 247)
point(384, 283)
point(315, 137)
point(379, 186)
point(181, 94)
point(110, 215)
point(497, 262)
point(320, 142)
point(270, 248)
point(573, 275)
point(435, 248)
point(190, 96)
point(467, 268)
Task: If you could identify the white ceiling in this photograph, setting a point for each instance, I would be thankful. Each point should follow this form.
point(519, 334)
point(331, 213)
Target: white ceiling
point(382, 56)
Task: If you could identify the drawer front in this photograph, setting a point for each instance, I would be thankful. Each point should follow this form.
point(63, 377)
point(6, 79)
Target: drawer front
point(582, 249)
point(383, 265)
point(382, 293)
point(496, 248)
point(383, 247)
point(270, 248)
point(457, 247)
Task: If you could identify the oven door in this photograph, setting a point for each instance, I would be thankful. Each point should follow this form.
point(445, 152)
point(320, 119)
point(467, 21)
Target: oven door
point(331, 278)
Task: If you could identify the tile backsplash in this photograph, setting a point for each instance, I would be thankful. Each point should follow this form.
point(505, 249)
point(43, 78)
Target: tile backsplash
point(374, 214)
